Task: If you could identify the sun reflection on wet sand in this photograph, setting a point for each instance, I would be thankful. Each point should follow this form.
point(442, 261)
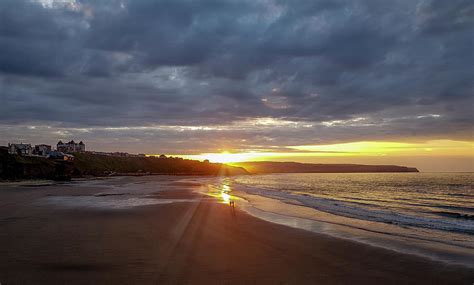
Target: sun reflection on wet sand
point(222, 192)
point(225, 197)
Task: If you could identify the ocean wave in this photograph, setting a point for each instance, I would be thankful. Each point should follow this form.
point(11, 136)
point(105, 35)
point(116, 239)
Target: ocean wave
point(369, 212)
point(455, 215)
point(460, 208)
point(460, 194)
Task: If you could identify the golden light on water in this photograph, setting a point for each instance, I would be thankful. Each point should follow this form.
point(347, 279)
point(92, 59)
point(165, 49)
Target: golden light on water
point(222, 193)
point(225, 190)
point(225, 197)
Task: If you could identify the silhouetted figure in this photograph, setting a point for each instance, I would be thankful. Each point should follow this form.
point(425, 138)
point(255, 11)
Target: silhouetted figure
point(232, 208)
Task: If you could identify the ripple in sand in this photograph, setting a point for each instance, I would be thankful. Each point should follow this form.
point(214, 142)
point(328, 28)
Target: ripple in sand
point(106, 202)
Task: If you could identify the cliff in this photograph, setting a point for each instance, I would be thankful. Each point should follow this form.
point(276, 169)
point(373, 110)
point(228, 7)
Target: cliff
point(14, 167)
point(294, 167)
point(98, 165)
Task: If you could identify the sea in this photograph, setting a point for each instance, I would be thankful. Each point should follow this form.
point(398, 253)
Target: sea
point(426, 214)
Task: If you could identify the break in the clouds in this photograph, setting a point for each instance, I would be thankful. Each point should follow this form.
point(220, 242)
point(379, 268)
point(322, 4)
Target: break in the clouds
point(190, 76)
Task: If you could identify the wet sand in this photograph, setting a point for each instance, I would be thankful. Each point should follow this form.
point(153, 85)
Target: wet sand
point(192, 242)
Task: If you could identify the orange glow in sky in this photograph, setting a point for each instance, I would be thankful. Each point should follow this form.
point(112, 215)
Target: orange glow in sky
point(353, 152)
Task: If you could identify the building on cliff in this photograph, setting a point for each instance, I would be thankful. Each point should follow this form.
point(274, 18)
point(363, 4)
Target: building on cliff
point(57, 155)
point(42, 149)
point(71, 147)
point(20, 149)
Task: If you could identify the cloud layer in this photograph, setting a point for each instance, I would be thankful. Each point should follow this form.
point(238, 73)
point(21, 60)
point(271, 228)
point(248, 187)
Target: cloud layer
point(189, 76)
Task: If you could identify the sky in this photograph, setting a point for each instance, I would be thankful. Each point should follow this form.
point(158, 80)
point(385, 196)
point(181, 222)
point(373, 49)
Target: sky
point(331, 81)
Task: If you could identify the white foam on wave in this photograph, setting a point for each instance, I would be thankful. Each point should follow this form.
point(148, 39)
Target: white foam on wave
point(371, 233)
point(366, 212)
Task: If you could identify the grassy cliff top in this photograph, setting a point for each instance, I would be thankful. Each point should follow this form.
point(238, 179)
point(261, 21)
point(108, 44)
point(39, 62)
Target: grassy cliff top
point(96, 164)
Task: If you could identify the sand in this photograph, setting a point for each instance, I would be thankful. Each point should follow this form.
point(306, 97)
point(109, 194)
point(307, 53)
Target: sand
point(196, 241)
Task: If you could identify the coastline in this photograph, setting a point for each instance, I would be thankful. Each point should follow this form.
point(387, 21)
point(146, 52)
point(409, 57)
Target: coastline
point(192, 239)
point(288, 210)
point(386, 237)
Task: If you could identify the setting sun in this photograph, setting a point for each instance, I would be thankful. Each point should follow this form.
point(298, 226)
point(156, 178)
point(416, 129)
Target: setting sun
point(361, 150)
point(226, 157)
point(226, 141)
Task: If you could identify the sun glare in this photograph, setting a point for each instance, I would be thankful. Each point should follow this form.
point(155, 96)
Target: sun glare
point(225, 157)
point(225, 197)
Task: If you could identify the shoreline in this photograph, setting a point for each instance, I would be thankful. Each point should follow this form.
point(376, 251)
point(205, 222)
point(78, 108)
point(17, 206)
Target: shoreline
point(197, 240)
point(386, 237)
point(433, 250)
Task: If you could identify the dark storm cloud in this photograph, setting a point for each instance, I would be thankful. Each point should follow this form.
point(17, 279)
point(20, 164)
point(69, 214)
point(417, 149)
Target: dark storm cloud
point(138, 63)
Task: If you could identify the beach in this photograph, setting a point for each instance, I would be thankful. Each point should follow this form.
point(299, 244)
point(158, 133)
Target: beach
point(171, 233)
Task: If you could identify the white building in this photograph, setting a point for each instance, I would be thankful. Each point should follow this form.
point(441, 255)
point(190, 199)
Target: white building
point(20, 149)
point(71, 147)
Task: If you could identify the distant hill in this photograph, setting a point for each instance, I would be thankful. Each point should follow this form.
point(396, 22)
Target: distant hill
point(295, 167)
point(15, 167)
